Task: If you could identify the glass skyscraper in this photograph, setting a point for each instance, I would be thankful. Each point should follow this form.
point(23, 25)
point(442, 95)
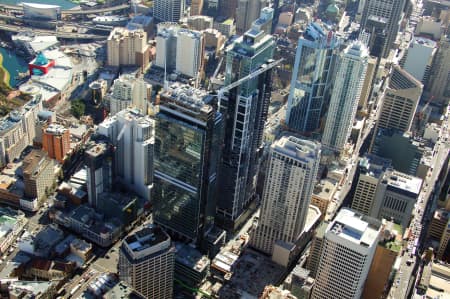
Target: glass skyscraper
point(187, 151)
point(311, 78)
point(245, 111)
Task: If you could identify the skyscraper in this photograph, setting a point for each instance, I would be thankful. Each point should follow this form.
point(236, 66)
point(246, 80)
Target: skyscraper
point(351, 70)
point(400, 101)
point(132, 135)
point(381, 20)
point(98, 159)
point(187, 152)
point(129, 92)
point(311, 78)
point(347, 252)
point(125, 47)
point(146, 262)
point(440, 76)
point(291, 174)
point(168, 10)
point(196, 7)
point(247, 11)
point(245, 111)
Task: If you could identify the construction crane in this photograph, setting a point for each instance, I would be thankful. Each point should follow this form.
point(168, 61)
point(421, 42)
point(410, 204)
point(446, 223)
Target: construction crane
point(265, 67)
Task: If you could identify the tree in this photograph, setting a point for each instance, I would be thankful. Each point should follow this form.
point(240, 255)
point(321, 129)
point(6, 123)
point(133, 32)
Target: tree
point(77, 108)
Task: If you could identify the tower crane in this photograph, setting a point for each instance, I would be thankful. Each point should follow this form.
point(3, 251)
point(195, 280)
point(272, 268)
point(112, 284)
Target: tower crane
point(264, 67)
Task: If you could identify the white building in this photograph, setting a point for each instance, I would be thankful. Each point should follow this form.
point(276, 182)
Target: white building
point(351, 71)
point(168, 10)
point(347, 252)
point(147, 262)
point(288, 188)
point(179, 50)
point(129, 92)
point(189, 52)
point(133, 136)
point(419, 57)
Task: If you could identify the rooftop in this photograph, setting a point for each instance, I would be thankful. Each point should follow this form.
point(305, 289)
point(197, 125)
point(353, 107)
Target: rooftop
point(146, 241)
point(56, 129)
point(296, 147)
point(404, 182)
point(355, 227)
point(121, 291)
point(187, 96)
point(191, 257)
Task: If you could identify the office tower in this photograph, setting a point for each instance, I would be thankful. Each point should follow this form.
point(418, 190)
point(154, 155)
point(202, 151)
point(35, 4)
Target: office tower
point(351, 71)
point(98, 160)
point(290, 179)
point(56, 141)
point(132, 135)
point(311, 78)
point(189, 52)
point(179, 49)
point(418, 58)
point(316, 249)
point(367, 84)
point(400, 101)
point(200, 23)
point(212, 8)
point(125, 47)
point(247, 11)
point(369, 173)
point(168, 10)
point(398, 194)
point(440, 76)
point(347, 252)
point(227, 8)
point(187, 154)
point(38, 174)
point(381, 20)
point(146, 262)
point(129, 92)
point(444, 242)
point(196, 7)
point(245, 111)
point(438, 223)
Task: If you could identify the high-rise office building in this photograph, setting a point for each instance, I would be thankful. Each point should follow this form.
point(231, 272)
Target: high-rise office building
point(400, 101)
point(125, 47)
point(129, 92)
point(147, 261)
point(168, 10)
point(351, 71)
point(440, 76)
point(246, 13)
point(132, 135)
point(245, 111)
point(347, 252)
point(174, 44)
point(196, 7)
point(187, 154)
point(418, 58)
point(56, 141)
point(369, 173)
point(311, 78)
point(227, 8)
point(98, 160)
point(381, 21)
point(316, 249)
point(290, 179)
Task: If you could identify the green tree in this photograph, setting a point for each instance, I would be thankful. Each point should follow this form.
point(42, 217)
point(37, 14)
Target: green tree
point(77, 108)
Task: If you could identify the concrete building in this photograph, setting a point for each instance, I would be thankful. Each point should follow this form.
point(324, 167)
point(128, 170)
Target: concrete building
point(38, 174)
point(56, 141)
point(191, 266)
point(400, 101)
point(227, 8)
point(190, 48)
point(444, 243)
point(196, 7)
point(289, 184)
point(246, 13)
point(311, 78)
point(351, 71)
point(125, 47)
point(316, 249)
point(367, 84)
point(98, 160)
point(129, 92)
point(166, 45)
point(418, 58)
point(188, 135)
point(225, 26)
point(440, 77)
point(245, 112)
point(381, 21)
point(146, 262)
point(299, 283)
point(398, 193)
point(132, 135)
point(369, 174)
point(440, 230)
point(168, 10)
point(323, 194)
point(214, 41)
point(353, 238)
point(200, 23)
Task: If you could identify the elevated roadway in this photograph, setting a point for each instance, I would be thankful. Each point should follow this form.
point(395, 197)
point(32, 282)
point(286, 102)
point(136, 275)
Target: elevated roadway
point(75, 11)
point(59, 34)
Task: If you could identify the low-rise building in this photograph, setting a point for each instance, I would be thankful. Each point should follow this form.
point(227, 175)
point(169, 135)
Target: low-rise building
point(191, 267)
